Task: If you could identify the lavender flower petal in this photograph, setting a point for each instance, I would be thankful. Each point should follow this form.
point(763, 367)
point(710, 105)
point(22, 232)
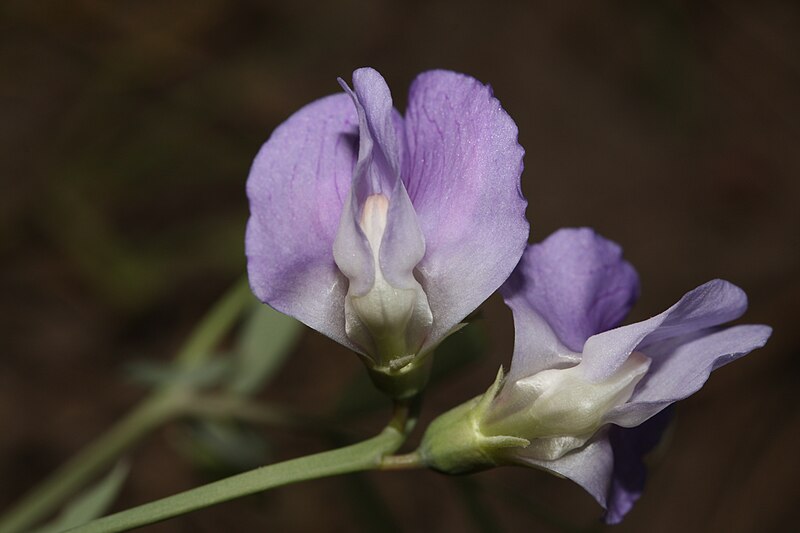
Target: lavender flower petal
point(680, 366)
point(591, 466)
point(564, 290)
point(579, 283)
point(610, 467)
point(297, 186)
point(378, 167)
point(377, 171)
point(462, 169)
point(630, 446)
point(379, 224)
point(708, 305)
point(536, 346)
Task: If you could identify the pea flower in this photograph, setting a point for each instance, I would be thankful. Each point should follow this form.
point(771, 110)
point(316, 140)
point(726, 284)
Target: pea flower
point(381, 231)
point(583, 398)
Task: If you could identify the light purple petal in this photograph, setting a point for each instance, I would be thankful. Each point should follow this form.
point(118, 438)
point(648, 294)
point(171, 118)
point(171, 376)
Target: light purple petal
point(378, 167)
point(536, 346)
point(376, 172)
point(708, 305)
point(462, 170)
point(591, 467)
point(297, 186)
point(579, 283)
point(403, 244)
point(630, 446)
point(351, 250)
point(680, 366)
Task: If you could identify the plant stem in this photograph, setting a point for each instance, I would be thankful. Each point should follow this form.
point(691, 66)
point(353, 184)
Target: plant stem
point(156, 409)
point(364, 455)
point(402, 462)
point(89, 462)
point(215, 325)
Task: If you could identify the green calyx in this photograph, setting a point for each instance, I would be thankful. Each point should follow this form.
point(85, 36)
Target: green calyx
point(454, 443)
point(404, 382)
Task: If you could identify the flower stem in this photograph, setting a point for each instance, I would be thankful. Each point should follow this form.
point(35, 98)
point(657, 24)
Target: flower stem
point(215, 325)
point(402, 462)
point(365, 455)
point(156, 409)
point(88, 463)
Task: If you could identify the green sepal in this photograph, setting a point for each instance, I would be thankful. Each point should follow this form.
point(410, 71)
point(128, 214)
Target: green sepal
point(454, 443)
point(404, 382)
point(405, 376)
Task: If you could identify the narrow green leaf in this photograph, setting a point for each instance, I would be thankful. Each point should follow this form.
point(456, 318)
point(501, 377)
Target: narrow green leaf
point(91, 504)
point(159, 374)
point(266, 340)
point(222, 447)
point(215, 325)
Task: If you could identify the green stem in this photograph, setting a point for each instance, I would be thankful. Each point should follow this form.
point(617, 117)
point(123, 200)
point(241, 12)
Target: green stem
point(402, 462)
point(88, 463)
point(155, 410)
point(364, 455)
point(215, 325)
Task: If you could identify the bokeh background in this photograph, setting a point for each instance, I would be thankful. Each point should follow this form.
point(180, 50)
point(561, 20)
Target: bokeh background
point(126, 134)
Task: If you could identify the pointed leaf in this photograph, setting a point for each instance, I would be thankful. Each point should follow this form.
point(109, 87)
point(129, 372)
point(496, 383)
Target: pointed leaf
point(267, 338)
point(91, 504)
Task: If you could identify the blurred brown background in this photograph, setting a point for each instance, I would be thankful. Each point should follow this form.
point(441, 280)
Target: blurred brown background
point(126, 134)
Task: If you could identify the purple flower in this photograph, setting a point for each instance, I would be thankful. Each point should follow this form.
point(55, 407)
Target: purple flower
point(567, 296)
point(584, 398)
point(381, 231)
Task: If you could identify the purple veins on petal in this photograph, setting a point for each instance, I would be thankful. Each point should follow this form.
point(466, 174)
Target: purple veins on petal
point(295, 206)
point(579, 282)
point(443, 184)
point(569, 287)
point(462, 169)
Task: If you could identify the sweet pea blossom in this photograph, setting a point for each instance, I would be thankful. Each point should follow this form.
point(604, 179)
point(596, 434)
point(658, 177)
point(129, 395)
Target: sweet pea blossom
point(384, 231)
point(583, 398)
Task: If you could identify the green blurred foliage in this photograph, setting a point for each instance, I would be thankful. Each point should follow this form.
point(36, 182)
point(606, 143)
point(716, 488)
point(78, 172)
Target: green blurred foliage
point(92, 503)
